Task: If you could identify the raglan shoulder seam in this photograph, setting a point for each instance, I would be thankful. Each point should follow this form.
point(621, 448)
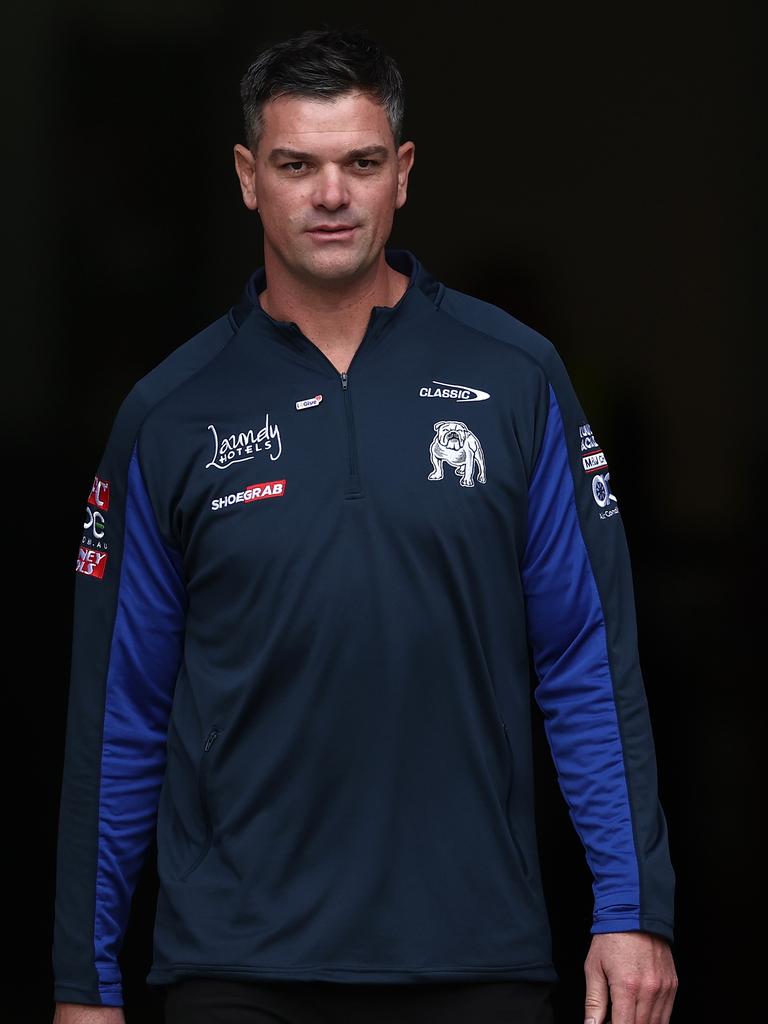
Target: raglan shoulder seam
point(539, 361)
point(141, 384)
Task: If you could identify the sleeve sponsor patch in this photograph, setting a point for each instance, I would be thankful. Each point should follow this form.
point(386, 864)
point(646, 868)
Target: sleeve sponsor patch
point(92, 551)
point(99, 495)
point(594, 462)
point(91, 562)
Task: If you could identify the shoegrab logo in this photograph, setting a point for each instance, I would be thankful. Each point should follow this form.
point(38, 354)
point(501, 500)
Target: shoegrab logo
point(254, 492)
point(458, 392)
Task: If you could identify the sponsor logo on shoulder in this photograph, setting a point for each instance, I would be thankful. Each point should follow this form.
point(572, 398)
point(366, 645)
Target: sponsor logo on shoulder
point(99, 495)
point(91, 562)
point(457, 392)
point(592, 462)
point(92, 550)
point(245, 446)
point(593, 459)
point(588, 444)
point(253, 492)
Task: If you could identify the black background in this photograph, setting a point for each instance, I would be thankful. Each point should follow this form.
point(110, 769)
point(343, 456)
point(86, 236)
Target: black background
point(594, 172)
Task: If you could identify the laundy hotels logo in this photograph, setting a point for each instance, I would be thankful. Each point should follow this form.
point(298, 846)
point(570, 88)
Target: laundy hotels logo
point(245, 445)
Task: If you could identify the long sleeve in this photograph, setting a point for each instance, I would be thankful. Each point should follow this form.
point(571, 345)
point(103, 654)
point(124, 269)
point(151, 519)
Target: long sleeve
point(582, 631)
point(129, 614)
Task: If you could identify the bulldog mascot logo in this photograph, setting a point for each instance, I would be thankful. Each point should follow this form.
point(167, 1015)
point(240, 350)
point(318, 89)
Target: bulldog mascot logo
point(455, 444)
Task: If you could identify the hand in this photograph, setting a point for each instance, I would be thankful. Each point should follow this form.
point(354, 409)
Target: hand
point(80, 1013)
point(638, 970)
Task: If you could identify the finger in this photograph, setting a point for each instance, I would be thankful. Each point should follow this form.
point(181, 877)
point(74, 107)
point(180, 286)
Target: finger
point(654, 1003)
point(623, 1006)
point(596, 998)
point(650, 1004)
point(667, 1003)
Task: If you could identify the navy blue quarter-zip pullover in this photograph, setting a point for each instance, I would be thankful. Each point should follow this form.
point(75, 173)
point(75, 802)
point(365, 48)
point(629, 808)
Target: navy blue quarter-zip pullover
point(304, 606)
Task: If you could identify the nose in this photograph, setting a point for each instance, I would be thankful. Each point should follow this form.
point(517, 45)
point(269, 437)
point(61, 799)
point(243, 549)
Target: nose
point(331, 190)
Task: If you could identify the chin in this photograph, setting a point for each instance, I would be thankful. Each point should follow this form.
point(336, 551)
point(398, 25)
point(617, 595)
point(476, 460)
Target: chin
point(335, 265)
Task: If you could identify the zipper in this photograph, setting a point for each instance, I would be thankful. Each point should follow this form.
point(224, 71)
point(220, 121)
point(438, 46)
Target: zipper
point(512, 836)
point(354, 487)
point(203, 795)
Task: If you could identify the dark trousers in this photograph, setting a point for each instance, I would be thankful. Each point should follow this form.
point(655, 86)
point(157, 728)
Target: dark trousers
point(208, 1000)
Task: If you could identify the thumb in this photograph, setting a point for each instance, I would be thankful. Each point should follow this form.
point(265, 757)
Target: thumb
point(596, 998)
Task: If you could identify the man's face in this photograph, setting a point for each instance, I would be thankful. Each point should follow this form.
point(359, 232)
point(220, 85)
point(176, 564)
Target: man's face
point(325, 162)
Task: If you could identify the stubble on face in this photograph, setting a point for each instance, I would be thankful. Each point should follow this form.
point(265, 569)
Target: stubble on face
point(326, 162)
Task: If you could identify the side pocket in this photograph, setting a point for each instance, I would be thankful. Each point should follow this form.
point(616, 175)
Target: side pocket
point(202, 779)
point(513, 837)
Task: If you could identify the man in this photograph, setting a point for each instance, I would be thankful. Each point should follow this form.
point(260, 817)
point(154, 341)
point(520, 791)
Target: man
point(321, 537)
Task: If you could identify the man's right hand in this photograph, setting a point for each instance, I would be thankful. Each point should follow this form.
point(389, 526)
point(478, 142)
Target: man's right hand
point(79, 1013)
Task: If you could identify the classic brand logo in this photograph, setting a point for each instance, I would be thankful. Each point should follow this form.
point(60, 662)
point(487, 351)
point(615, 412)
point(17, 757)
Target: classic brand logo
point(244, 446)
point(458, 392)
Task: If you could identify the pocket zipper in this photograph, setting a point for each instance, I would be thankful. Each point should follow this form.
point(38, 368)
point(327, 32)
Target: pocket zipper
point(512, 835)
point(203, 795)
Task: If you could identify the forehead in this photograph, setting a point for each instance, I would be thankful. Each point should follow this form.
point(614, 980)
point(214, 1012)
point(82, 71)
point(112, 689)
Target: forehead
point(324, 124)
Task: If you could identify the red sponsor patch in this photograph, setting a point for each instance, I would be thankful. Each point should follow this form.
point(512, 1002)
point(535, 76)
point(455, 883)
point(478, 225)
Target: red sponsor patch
point(91, 562)
point(271, 489)
point(99, 495)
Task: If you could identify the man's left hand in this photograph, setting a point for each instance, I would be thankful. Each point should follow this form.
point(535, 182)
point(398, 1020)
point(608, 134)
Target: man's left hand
point(636, 970)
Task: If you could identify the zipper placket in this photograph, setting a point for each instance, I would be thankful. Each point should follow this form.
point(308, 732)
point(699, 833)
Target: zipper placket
point(354, 487)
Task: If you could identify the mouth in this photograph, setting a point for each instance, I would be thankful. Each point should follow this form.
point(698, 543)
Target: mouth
point(333, 233)
point(452, 440)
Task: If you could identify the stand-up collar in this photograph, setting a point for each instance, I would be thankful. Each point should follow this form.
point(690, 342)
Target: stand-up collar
point(420, 296)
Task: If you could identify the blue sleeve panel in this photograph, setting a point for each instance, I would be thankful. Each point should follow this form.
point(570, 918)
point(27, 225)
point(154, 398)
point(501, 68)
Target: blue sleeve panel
point(119, 707)
point(582, 632)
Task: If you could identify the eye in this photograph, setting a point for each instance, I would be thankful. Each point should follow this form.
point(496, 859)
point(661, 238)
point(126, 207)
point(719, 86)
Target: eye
point(294, 166)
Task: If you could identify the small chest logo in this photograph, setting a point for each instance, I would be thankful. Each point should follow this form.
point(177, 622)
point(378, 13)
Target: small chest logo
point(309, 403)
point(455, 444)
point(245, 446)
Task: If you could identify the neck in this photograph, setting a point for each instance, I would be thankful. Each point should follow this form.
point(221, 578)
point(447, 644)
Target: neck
point(332, 314)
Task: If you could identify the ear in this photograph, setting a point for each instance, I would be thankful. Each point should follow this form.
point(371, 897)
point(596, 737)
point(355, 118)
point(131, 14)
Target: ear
point(439, 424)
point(244, 166)
point(405, 157)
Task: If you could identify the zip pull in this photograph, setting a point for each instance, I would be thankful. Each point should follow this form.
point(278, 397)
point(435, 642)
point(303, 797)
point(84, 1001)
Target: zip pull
point(343, 379)
point(211, 737)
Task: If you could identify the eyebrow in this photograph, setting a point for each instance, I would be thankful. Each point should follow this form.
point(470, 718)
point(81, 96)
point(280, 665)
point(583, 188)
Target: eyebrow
point(353, 154)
